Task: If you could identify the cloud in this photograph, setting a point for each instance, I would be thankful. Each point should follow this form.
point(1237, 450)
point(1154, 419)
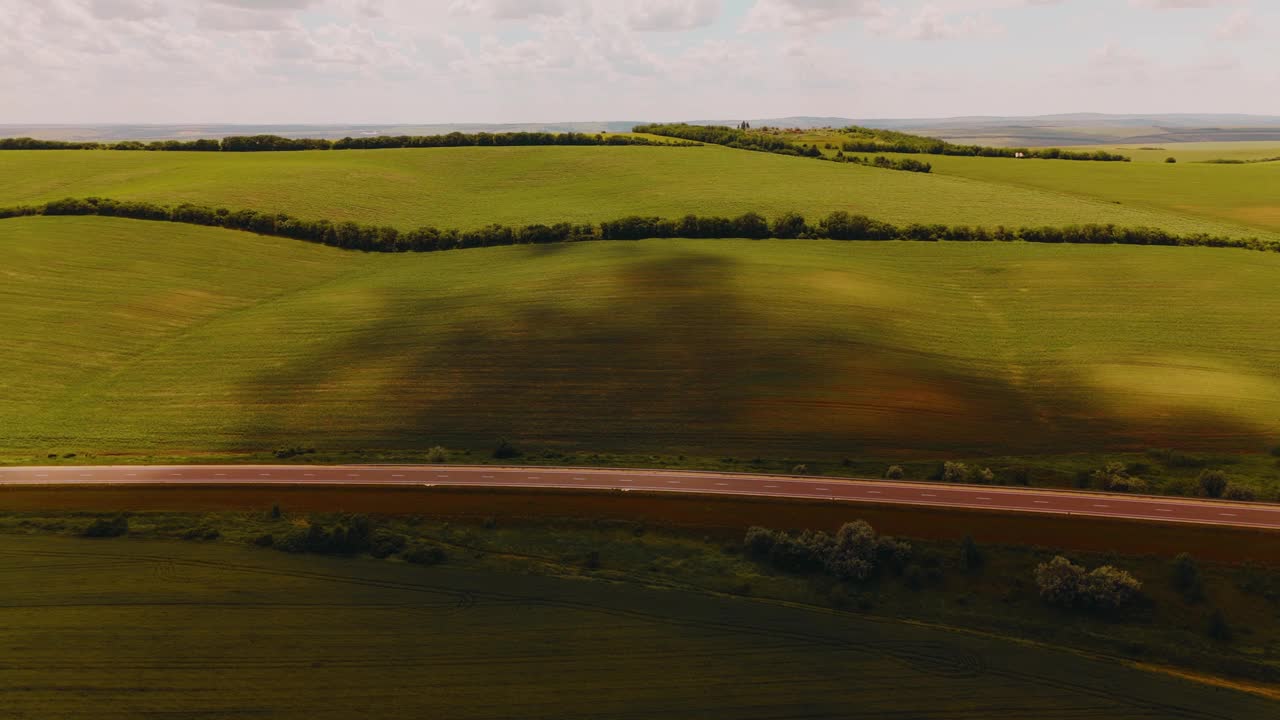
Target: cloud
point(670, 15)
point(1183, 4)
point(125, 9)
point(931, 22)
point(1238, 25)
point(509, 9)
point(808, 15)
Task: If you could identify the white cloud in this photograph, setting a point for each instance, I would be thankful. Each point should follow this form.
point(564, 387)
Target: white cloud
point(1183, 4)
point(931, 22)
point(509, 9)
point(126, 9)
point(808, 15)
point(668, 15)
point(1238, 25)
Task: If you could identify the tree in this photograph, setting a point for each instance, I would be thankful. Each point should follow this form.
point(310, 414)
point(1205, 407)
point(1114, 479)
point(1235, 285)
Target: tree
point(894, 472)
point(1213, 483)
point(1171, 160)
point(1062, 582)
point(788, 225)
point(954, 472)
point(970, 554)
point(1110, 588)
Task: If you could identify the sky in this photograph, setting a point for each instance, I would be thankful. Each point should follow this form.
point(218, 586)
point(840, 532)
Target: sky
point(443, 61)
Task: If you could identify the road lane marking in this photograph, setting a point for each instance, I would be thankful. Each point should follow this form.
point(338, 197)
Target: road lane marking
point(86, 475)
point(578, 478)
point(397, 476)
point(624, 480)
point(442, 476)
point(1227, 514)
point(825, 489)
point(1102, 506)
point(771, 486)
point(874, 492)
point(264, 474)
point(175, 474)
point(928, 495)
point(723, 484)
point(673, 482)
point(308, 474)
point(352, 475)
point(487, 477)
point(537, 477)
point(1163, 510)
point(982, 498)
point(1041, 502)
point(42, 474)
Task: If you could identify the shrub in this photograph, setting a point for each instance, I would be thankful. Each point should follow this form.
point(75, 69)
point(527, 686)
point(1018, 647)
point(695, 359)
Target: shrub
point(1213, 483)
point(788, 225)
point(505, 450)
point(107, 527)
point(266, 540)
point(425, 555)
point(954, 472)
point(275, 512)
point(1186, 578)
point(800, 469)
point(895, 472)
point(386, 543)
point(980, 476)
point(1115, 477)
point(1171, 160)
point(759, 541)
point(854, 553)
point(437, 455)
point(1239, 492)
point(202, 532)
point(1062, 582)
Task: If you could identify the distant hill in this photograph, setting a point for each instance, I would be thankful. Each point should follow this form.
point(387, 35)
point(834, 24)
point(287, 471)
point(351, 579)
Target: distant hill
point(1041, 130)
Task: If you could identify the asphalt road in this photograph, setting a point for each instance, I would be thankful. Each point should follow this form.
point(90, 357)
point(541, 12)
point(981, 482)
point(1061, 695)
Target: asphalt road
point(964, 496)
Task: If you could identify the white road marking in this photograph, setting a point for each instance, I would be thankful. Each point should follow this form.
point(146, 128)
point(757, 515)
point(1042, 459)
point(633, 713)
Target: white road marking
point(308, 474)
point(1041, 502)
point(673, 482)
point(352, 475)
point(264, 474)
point(397, 476)
point(538, 477)
point(818, 488)
point(175, 474)
point(578, 478)
point(86, 475)
point(130, 475)
point(487, 477)
point(624, 480)
point(219, 474)
point(442, 476)
point(42, 474)
point(723, 484)
point(771, 486)
point(1163, 510)
point(982, 498)
point(1227, 514)
point(928, 495)
point(1102, 506)
point(874, 492)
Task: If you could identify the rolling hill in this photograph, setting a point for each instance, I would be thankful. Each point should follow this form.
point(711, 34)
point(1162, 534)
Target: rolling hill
point(139, 337)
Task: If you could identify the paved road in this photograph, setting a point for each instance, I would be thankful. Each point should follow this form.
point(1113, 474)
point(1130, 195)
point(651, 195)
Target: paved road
point(966, 496)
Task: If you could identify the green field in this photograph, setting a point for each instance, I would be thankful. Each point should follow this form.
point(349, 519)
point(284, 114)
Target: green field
point(471, 187)
point(140, 337)
point(130, 628)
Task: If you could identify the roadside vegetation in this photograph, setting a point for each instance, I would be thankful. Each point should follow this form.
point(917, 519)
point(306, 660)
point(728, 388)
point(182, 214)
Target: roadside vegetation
point(1180, 612)
point(275, 143)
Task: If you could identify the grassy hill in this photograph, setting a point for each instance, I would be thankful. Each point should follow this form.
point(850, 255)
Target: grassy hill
point(471, 187)
point(138, 337)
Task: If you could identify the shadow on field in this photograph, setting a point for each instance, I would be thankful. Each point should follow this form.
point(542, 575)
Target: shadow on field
point(661, 355)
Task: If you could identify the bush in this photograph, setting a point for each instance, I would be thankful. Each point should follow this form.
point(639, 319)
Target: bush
point(505, 450)
point(425, 555)
point(954, 472)
point(437, 455)
point(1239, 492)
point(1186, 578)
point(386, 543)
point(788, 225)
point(854, 553)
point(1171, 160)
point(895, 472)
point(1115, 477)
point(980, 476)
point(800, 469)
point(107, 527)
point(266, 540)
point(1213, 483)
point(1062, 582)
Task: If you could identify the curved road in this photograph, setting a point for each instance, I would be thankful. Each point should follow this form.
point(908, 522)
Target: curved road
point(963, 496)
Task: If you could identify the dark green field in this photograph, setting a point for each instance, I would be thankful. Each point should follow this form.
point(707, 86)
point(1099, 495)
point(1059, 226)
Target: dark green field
point(129, 629)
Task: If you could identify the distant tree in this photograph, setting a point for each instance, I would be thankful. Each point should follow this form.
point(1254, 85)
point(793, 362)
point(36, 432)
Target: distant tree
point(895, 472)
point(1239, 492)
point(954, 472)
point(437, 454)
point(1171, 160)
point(788, 225)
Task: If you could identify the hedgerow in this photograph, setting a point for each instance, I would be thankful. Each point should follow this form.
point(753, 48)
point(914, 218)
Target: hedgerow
point(838, 225)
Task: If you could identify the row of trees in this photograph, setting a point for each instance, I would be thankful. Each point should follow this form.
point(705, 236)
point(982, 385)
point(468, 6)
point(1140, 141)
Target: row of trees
point(742, 139)
point(874, 140)
point(276, 143)
point(838, 225)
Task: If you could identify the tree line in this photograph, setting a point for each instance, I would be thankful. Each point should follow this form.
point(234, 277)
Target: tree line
point(276, 143)
point(839, 225)
point(740, 138)
point(875, 140)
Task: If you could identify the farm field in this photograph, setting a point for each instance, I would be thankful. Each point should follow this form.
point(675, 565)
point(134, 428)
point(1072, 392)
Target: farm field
point(1248, 194)
point(472, 187)
point(210, 630)
point(139, 337)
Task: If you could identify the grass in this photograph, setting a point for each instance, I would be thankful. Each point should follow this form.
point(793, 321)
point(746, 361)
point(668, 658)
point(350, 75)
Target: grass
point(516, 629)
point(471, 187)
point(169, 340)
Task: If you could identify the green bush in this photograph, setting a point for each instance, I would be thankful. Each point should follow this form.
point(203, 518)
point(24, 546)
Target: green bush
point(505, 450)
point(1186, 578)
point(1213, 483)
point(107, 527)
point(1106, 588)
point(437, 455)
point(425, 555)
point(895, 472)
